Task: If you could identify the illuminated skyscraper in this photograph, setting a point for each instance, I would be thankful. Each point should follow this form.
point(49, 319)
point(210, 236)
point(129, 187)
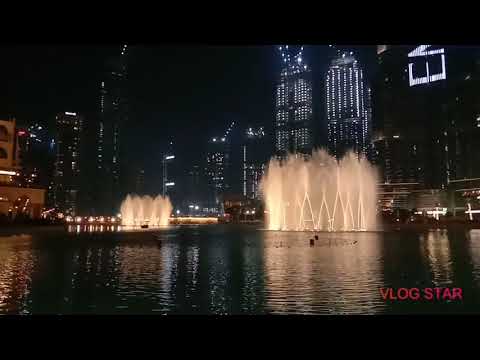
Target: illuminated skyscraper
point(217, 169)
point(254, 161)
point(347, 106)
point(67, 165)
point(113, 116)
point(293, 104)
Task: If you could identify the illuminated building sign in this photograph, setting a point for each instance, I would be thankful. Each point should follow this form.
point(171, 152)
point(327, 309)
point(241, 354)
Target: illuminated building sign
point(428, 74)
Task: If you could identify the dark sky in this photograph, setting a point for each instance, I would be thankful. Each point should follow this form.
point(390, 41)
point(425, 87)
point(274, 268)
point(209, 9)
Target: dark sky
point(189, 93)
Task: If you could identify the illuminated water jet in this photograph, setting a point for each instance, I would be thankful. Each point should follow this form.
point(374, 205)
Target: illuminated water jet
point(320, 193)
point(145, 210)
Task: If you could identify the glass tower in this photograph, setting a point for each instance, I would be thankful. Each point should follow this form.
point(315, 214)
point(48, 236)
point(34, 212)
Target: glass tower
point(347, 106)
point(293, 104)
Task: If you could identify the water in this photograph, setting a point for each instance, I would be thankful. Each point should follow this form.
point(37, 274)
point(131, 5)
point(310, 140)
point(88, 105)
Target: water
point(320, 193)
point(139, 210)
point(229, 269)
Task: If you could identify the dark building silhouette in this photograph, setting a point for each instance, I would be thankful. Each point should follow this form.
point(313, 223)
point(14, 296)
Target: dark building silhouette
point(113, 119)
point(67, 161)
point(426, 110)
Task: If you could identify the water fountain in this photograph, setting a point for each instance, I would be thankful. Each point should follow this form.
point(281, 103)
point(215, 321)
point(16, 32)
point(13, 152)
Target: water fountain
point(320, 193)
point(140, 211)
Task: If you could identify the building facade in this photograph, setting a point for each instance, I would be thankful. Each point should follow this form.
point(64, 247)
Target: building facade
point(347, 106)
point(254, 161)
point(113, 115)
point(426, 110)
point(293, 104)
point(217, 171)
point(36, 154)
point(67, 161)
point(16, 199)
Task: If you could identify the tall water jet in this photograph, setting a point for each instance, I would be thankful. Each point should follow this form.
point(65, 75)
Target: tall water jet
point(320, 193)
point(145, 210)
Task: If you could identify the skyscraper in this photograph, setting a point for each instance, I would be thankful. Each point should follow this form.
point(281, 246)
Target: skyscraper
point(36, 154)
point(67, 165)
point(254, 161)
point(347, 106)
point(16, 200)
point(113, 115)
point(293, 104)
point(218, 161)
point(218, 169)
point(426, 111)
point(411, 112)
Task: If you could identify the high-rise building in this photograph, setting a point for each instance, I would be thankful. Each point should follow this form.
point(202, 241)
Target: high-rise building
point(411, 112)
point(67, 164)
point(218, 161)
point(195, 200)
point(16, 199)
point(36, 154)
point(347, 106)
point(293, 104)
point(254, 161)
point(113, 115)
point(170, 173)
point(218, 169)
point(426, 109)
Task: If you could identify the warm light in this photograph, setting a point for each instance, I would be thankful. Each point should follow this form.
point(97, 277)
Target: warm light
point(5, 172)
point(69, 219)
point(78, 219)
point(91, 219)
point(101, 219)
point(113, 220)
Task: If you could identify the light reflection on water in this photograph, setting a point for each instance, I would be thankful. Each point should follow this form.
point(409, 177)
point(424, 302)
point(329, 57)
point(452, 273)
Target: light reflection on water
point(231, 269)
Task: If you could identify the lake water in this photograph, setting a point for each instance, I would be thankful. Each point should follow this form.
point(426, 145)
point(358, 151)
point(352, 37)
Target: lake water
point(229, 269)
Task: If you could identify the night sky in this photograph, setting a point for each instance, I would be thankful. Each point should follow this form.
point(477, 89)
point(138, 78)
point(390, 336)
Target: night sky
point(183, 92)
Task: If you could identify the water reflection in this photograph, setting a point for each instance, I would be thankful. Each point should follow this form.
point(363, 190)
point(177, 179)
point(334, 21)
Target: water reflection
point(233, 270)
point(474, 242)
point(335, 276)
point(16, 264)
point(435, 247)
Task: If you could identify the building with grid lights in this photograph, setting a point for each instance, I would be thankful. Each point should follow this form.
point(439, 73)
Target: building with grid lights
point(347, 106)
point(254, 161)
point(67, 164)
point(293, 104)
point(217, 166)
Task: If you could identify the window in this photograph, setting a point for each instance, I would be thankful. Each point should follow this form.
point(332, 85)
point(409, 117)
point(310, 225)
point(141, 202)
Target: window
point(3, 153)
point(3, 133)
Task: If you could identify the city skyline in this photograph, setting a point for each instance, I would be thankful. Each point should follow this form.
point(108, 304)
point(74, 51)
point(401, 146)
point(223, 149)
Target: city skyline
point(304, 104)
